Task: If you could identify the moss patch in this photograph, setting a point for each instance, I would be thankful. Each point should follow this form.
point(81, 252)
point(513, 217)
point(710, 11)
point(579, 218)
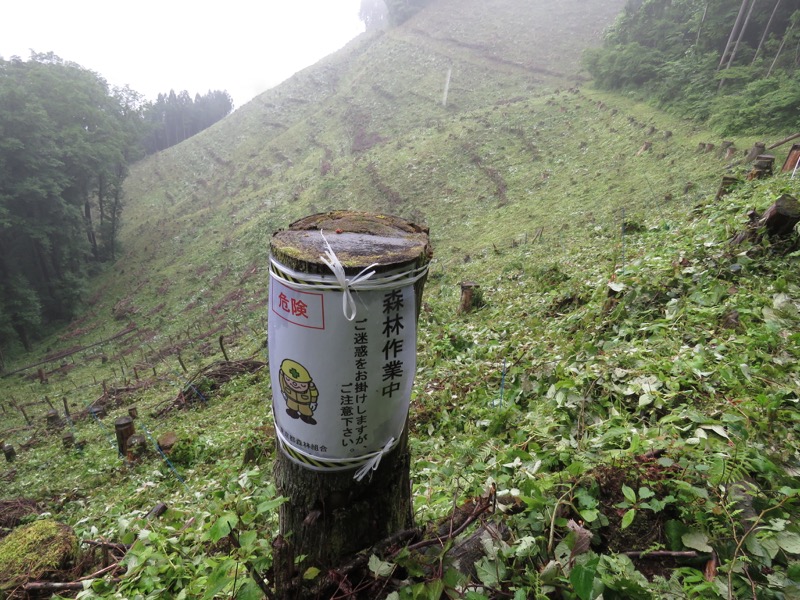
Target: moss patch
point(35, 551)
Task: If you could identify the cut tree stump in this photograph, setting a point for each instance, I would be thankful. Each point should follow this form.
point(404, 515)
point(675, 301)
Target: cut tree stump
point(792, 161)
point(329, 514)
point(470, 297)
point(763, 166)
point(778, 221)
point(757, 149)
point(124, 429)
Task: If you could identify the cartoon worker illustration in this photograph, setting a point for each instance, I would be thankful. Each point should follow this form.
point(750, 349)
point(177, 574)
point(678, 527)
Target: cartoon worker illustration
point(298, 391)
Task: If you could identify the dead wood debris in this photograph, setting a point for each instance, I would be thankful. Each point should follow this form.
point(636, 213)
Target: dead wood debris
point(13, 511)
point(354, 580)
point(104, 558)
point(206, 380)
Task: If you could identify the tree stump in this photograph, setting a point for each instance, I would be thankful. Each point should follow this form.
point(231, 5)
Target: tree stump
point(724, 148)
point(645, 147)
point(792, 161)
point(166, 441)
point(53, 419)
point(763, 166)
point(470, 297)
point(778, 221)
point(124, 429)
point(318, 355)
point(757, 149)
point(135, 447)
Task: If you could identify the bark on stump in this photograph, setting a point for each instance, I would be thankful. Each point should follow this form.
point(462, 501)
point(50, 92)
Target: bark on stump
point(757, 149)
point(792, 160)
point(763, 166)
point(53, 419)
point(124, 429)
point(329, 515)
point(778, 221)
point(470, 297)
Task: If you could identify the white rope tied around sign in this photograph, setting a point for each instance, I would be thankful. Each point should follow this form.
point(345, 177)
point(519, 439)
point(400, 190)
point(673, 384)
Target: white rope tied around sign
point(368, 462)
point(364, 281)
point(372, 463)
point(333, 263)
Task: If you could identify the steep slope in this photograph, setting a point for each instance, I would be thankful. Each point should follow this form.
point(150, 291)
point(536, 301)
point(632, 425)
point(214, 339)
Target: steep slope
point(631, 377)
point(324, 138)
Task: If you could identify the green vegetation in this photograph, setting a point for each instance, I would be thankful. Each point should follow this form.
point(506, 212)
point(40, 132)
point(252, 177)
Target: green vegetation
point(67, 143)
point(33, 551)
point(173, 117)
point(64, 153)
point(730, 67)
point(627, 392)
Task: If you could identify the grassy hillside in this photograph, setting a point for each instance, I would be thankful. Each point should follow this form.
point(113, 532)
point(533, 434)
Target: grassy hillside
point(629, 370)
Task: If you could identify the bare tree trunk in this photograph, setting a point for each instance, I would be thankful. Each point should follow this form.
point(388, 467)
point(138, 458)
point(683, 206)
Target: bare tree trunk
point(780, 49)
point(700, 27)
point(734, 31)
point(87, 212)
point(766, 31)
point(738, 41)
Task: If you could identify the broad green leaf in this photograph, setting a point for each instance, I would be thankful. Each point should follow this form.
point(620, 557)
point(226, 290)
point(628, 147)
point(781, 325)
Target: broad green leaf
point(589, 514)
point(627, 518)
point(220, 577)
point(789, 541)
point(718, 429)
point(223, 526)
point(380, 568)
point(674, 530)
point(645, 492)
point(435, 589)
point(270, 505)
point(249, 591)
point(696, 540)
point(310, 573)
point(629, 494)
point(247, 539)
point(490, 572)
point(616, 286)
point(582, 578)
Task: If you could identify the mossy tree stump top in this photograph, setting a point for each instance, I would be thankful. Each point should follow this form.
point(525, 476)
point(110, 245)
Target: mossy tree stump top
point(32, 552)
point(358, 239)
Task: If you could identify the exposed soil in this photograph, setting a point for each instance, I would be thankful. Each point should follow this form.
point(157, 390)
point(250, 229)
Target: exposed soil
point(648, 527)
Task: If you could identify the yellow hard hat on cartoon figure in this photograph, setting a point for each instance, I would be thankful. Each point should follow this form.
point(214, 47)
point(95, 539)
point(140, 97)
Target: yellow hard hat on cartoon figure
point(295, 371)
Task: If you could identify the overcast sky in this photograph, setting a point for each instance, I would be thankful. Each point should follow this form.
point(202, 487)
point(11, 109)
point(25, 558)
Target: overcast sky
point(153, 46)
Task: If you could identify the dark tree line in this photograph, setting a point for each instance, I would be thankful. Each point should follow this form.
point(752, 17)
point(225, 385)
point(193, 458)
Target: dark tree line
point(377, 14)
point(66, 142)
point(173, 117)
point(733, 65)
